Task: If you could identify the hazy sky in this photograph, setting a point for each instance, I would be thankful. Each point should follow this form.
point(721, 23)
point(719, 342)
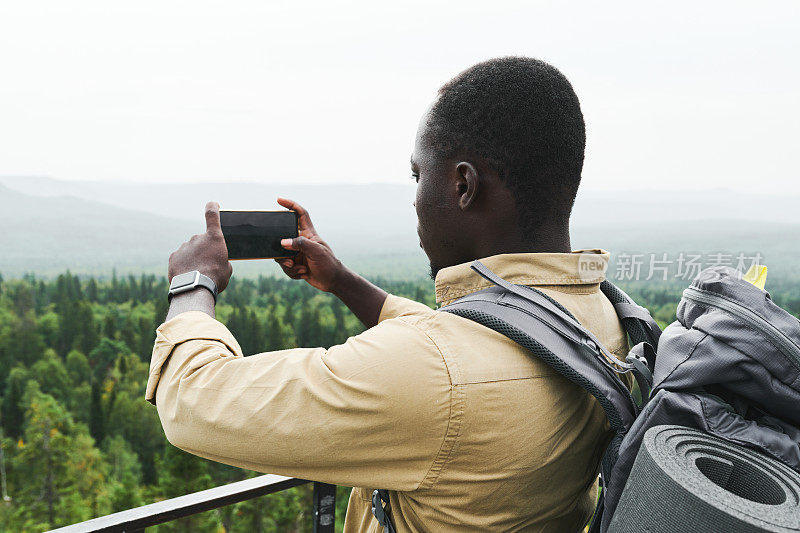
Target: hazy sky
point(684, 94)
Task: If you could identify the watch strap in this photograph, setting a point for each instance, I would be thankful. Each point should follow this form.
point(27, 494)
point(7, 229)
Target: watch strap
point(189, 281)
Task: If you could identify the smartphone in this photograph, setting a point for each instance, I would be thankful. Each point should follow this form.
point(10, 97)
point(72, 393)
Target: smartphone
point(258, 234)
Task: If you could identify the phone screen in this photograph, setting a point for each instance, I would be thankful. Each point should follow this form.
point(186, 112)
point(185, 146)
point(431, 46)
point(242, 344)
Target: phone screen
point(258, 234)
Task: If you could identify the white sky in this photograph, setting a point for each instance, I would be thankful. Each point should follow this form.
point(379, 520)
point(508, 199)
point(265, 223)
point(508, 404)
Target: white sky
point(675, 94)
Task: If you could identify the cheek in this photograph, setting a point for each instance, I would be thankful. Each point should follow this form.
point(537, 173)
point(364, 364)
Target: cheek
point(423, 208)
point(433, 213)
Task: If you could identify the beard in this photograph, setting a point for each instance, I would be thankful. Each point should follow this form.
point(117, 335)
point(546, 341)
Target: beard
point(434, 269)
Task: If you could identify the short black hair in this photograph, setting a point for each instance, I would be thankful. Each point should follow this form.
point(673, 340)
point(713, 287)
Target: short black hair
point(523, 118)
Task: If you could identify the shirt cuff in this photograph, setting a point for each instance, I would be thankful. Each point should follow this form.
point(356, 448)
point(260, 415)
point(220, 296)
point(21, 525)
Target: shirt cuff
point(396, 306)
point(189, 326)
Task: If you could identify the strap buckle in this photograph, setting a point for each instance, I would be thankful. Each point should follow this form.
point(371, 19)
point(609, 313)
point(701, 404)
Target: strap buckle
point(378, 510)
point(638, 357)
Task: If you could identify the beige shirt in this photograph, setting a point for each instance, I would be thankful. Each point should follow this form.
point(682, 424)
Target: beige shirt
point(466, 429)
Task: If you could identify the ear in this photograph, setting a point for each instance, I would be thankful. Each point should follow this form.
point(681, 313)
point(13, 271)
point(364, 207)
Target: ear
point(467, 184)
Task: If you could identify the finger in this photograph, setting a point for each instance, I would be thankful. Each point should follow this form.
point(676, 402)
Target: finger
point(286, 270)
point(294, 270)
point(296, 275)
point(291, 204)
point(300, 244)
point(212, 218)
point(303, 218)
point(291, 273)
point(309, 249)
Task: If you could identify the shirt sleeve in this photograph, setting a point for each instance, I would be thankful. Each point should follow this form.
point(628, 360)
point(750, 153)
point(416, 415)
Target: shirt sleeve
point(371, 412)
point(397, 306)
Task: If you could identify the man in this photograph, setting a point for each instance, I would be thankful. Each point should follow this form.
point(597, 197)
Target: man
point(466, 429)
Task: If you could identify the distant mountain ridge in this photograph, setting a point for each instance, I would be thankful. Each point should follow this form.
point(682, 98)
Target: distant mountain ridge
point(50, 225)
point(47, 234)
point(181, 200)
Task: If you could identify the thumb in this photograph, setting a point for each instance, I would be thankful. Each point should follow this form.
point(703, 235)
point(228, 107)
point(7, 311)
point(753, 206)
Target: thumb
point(212, 218)
point(300, 244)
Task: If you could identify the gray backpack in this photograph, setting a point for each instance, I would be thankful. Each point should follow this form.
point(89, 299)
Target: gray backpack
point(729, 366)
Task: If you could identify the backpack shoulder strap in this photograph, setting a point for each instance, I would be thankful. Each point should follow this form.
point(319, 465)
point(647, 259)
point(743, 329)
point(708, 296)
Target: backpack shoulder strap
point(639, 325)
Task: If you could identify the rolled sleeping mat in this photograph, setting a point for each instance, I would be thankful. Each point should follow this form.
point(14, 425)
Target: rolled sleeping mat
point(687, 480)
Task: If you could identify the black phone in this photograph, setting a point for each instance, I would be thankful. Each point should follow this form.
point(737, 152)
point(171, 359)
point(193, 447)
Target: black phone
point(258, 234)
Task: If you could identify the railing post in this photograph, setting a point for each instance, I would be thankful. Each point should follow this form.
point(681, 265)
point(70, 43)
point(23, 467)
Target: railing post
point(324, 507)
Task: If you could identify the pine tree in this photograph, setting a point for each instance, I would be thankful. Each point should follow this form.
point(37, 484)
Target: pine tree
point(133, 289)
point(80, 377)
point(58, 474)
point(77, 328)
point(52, 376)
point(125, 474)
point(275, 333)
point(258, 333)
point(103, 357)
point(135, 420)
point(91, 291)
point(161, 307)
point(181, 473)
point(117, 293)
point(304, 326)
point(97, 419)
point(146, 337)
point(110, 324)
point(13, 414)
point(20, 342)
point(77, 367)
point(23, 299)
point(288, 314)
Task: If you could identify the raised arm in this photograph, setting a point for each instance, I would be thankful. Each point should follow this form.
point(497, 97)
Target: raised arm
point(317, 264)
point(328, 415)
point(374, 411)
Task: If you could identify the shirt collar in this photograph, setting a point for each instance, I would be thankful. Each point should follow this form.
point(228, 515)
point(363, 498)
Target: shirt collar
point(581, 267)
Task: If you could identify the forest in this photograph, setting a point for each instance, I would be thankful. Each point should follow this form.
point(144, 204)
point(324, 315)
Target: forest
point(77, 438)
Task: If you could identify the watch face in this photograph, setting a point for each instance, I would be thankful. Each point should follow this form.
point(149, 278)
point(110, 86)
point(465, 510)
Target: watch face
point(181, 280)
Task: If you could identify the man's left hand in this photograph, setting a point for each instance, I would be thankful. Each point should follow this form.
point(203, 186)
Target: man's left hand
point(206, 253)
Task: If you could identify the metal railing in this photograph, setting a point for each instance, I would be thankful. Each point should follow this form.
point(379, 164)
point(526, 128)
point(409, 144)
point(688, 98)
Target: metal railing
point(136, 519)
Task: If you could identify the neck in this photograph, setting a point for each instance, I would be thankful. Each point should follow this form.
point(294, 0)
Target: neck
point(547, 241)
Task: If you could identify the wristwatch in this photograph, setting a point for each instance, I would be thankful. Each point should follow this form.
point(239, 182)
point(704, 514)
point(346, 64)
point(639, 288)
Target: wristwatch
point(190, 280)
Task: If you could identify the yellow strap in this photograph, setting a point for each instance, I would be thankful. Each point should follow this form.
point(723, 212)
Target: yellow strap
point(757, 275)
